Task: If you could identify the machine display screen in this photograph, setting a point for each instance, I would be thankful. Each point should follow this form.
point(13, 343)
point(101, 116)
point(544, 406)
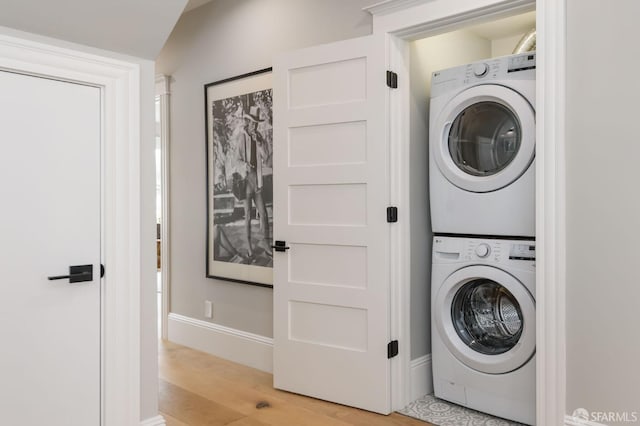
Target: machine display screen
point(522, 252)
point(521, 63)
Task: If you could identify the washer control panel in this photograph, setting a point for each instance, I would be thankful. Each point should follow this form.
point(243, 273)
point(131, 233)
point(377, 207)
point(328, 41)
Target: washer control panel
point(484, 250)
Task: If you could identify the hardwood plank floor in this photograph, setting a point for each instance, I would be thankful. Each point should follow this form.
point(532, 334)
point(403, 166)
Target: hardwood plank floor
point(197, 389)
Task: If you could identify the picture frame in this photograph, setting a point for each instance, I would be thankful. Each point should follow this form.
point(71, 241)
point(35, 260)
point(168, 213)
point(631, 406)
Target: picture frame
point(239, 151)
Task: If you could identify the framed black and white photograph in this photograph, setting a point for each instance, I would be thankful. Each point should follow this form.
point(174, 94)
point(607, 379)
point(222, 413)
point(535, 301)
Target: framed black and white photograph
point(239, 122)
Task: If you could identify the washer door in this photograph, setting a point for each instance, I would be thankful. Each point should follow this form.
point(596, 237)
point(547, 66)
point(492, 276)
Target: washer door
point(487, 138)
point(486, 318)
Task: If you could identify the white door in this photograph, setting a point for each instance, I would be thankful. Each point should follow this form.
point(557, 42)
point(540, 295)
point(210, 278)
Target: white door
point(50, 186)
point(331, 191)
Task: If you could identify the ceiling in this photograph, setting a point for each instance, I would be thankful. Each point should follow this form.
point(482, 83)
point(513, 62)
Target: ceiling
point(133, 27)
point(192, 4)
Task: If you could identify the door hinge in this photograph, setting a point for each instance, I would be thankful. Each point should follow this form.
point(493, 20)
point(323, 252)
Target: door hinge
point(392, 349)
point(392, 214)
point(101, 270)
point(392, 79)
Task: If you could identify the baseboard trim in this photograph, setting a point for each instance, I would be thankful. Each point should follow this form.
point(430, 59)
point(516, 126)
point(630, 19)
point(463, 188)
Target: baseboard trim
point(238, 346)
point(421, 377)
point(154, 421)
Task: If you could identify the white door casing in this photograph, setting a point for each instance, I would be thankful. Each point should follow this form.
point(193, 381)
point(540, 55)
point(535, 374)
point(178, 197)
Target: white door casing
point(119, 85)
point(405, 20)
point(50, 185)
point(331, 288)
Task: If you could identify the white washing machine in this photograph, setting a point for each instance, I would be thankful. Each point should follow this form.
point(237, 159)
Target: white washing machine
point(483, 332)
point(482, 148)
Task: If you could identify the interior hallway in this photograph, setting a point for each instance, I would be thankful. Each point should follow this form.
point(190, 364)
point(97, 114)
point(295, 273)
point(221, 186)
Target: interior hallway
point(197, 389)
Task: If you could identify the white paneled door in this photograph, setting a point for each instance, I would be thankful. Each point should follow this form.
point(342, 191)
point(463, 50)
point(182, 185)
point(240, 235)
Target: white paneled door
point(50, 191)
point(331, 286)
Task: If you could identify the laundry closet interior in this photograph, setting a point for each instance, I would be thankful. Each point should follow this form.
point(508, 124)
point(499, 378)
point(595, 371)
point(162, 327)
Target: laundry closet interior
point(342, 192)
point(474, 43)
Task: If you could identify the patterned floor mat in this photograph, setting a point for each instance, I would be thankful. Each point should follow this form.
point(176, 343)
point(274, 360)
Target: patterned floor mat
point(443, 413)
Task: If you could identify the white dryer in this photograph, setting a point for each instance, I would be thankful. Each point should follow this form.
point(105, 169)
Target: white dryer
point(482, 148)
point(483, 333)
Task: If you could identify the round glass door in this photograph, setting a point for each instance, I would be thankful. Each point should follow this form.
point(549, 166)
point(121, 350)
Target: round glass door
point(487, 317)
point(484, 138)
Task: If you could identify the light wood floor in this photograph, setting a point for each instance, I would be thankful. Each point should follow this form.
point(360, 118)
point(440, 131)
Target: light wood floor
point(197, 389)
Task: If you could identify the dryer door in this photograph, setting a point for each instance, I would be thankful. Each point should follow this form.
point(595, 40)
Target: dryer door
point(486, 318)
point(484, 138)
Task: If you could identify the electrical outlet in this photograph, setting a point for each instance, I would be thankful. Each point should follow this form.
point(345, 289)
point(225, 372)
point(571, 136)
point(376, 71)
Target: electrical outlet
point(208, 309)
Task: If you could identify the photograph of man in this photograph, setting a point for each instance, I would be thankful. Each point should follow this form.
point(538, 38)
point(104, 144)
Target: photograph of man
point(243, 179)
point(253, 153)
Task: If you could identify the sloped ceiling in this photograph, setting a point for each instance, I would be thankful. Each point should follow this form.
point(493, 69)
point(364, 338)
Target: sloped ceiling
point(133, 27)
point(195, 3)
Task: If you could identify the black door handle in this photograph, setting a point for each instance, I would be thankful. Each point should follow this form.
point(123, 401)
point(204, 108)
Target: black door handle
point(77, 274)
point(280, 246)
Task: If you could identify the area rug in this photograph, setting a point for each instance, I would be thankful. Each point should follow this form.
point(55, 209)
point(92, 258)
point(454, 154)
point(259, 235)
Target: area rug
point(443, 413)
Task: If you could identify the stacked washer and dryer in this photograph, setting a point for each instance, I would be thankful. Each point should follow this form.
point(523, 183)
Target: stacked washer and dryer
point(482, 195)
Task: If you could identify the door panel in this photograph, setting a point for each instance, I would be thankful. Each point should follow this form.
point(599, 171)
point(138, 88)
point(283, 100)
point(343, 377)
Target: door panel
point(50, 186)
point(331, 288)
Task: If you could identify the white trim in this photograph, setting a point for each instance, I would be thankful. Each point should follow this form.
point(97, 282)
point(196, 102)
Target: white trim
point(550, 212)
point(400, 238)
point(389, 6)
point(163, 92)
point(162, 84)
point(119, 82)
point(154, 421)
point(421, 377)
point(238, 346)
point(572, 421)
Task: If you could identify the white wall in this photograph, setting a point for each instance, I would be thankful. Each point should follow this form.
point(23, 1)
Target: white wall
point(149, 345)
point(219, 40)
point(603, 206)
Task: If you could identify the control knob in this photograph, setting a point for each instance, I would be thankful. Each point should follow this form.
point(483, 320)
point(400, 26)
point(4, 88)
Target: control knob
point(483, 250)
point(480, 70)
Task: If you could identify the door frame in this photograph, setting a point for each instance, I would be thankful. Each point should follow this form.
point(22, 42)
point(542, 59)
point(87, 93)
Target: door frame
point(405, 20)
point(119, 83)
point(162, 91)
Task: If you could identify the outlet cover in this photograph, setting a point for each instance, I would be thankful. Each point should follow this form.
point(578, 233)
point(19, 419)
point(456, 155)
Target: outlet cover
point(208, 309)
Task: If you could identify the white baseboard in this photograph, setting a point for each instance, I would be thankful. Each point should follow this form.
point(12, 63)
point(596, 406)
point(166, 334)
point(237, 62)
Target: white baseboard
point(154, 421)
point(235, 345)
point(421, 377)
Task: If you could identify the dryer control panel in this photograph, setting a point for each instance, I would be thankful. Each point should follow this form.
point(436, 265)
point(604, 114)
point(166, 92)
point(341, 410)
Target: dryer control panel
point(512, 67)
